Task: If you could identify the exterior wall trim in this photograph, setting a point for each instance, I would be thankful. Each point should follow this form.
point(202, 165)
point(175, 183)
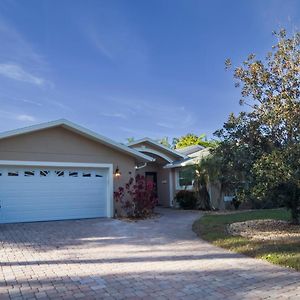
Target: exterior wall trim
point(171, 188)
point(148, 150)
point(109, 167)
point(179, 187)
point(150, 141)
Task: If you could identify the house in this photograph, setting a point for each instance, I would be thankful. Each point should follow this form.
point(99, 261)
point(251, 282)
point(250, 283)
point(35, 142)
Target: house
point(184, 175)
point(60, 170)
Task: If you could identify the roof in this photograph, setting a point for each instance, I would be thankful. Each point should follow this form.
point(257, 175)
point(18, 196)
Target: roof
point(190, 160)
point(80, 130)
point(153, 142)
point(190, 149)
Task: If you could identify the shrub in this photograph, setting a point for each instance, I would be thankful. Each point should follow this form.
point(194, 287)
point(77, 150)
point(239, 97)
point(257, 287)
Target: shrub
point(288, 194)
point(138, 198)
point(236, 203)
point(186, 199)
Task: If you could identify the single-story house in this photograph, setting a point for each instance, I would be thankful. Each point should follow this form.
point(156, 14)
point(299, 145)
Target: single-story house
point(60, 170)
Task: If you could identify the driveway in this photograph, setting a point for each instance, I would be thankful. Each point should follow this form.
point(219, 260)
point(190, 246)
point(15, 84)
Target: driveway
point(159, 258)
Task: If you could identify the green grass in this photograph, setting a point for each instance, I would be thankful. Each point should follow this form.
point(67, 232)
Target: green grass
point(212, 228)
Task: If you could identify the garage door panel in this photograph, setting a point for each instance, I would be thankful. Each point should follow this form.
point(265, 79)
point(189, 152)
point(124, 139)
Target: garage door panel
point(45, 203)
point(44, 216)
point(37, 197)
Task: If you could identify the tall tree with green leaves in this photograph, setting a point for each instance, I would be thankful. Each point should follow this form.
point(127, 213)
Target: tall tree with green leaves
point(191, 139)
point(165, 142)
point(260, 148)
point(130, 139)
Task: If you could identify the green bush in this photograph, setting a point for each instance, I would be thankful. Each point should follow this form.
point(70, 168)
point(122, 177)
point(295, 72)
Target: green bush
point(236, 203)
point(186, 199)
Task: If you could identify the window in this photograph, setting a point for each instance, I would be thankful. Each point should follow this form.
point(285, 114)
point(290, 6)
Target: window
point(13, 173)
point(73, 174)
point(44, 173)
point(86, 174)
point(59, 173)
point(28, 173)
point(185, 177)
point(98, 175)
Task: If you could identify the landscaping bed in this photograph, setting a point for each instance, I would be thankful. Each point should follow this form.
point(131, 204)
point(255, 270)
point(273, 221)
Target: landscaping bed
point(265, 230)
point(265, 234)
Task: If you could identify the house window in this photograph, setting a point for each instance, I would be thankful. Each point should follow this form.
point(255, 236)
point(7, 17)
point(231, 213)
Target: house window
point(44, 173)
point(84, 174)
point(28, 173)
point(73, 174)
point(59, 173)
point(185, 177)
point(13, 173)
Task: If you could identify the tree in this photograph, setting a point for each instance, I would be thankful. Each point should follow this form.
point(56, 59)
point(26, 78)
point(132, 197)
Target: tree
point(191, 139)
point(260, 147)
point(130, 139)
point(165, 142)
point(200, 185)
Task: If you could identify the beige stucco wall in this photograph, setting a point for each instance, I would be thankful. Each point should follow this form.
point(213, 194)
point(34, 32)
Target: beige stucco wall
point(61, 145)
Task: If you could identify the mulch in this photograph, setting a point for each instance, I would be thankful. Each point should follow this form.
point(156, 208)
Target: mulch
point(266, 230)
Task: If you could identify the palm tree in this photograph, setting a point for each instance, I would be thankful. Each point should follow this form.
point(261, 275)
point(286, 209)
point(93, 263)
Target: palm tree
point(208, 176)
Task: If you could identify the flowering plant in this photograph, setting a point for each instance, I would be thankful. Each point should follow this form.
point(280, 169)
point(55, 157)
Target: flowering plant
point(138, 198)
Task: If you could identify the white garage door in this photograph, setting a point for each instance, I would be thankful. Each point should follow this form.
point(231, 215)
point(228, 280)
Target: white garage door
point(50, 193)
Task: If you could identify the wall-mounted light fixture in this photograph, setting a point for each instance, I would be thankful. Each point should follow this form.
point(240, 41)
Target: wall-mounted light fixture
point(117, 172)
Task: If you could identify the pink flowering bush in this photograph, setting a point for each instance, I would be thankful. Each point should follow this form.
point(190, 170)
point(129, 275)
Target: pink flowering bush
point(138, 198)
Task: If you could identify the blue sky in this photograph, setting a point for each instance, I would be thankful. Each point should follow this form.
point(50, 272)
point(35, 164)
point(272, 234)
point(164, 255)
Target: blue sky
point(130, 67)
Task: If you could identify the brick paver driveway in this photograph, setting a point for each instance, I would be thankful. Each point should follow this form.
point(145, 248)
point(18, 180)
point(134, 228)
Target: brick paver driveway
point(153, 259)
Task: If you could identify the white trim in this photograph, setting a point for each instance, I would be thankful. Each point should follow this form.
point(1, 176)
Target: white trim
point(181, 187)
point(109, 167)
point(78, 129)
point(171, 188)
point(52, 164)
point(192, 159)
point(141, 167)
point(156, 144)
point(189, 150)
point(148, 150)
point(110, 192)
point(188, 162)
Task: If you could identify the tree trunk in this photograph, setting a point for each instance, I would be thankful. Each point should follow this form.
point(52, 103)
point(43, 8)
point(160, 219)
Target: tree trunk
point(203, 198)
point(295, 213)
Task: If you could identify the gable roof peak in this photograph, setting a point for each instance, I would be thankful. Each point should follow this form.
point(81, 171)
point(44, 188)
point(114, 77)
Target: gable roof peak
point(154, 142)
point(80, 130)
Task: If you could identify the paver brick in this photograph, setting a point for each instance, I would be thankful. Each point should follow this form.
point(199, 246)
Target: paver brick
point(160, 258)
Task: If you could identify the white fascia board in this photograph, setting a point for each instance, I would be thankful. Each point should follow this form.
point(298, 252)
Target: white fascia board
point(156, 144)
point(189, 162)
point(158, 153)
point(78, 129)
point(53, 164)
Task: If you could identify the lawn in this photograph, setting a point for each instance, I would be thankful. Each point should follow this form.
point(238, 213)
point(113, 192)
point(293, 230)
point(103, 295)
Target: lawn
point(212, 228)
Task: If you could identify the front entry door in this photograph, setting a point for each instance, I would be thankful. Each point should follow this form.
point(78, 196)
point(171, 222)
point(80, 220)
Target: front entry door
point(152, 177)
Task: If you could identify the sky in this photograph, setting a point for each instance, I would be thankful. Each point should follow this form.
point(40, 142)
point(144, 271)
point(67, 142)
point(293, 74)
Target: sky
point(131, 68)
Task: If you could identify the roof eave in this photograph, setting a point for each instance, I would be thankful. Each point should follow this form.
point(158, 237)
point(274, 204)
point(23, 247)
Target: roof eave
point(156, 144)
